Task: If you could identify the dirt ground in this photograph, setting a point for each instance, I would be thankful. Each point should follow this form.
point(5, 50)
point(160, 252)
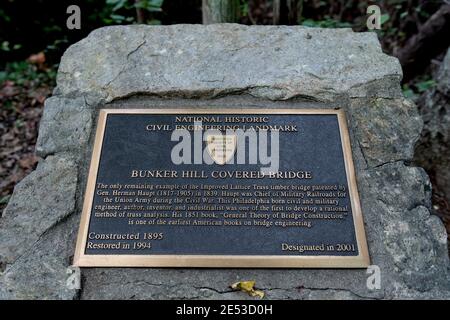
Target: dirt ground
point(20, 113)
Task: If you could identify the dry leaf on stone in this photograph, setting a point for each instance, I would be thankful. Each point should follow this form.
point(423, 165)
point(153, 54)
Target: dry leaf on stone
point(248, 287)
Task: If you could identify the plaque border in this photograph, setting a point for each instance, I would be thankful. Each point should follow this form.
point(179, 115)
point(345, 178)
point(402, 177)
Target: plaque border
point(362, 260)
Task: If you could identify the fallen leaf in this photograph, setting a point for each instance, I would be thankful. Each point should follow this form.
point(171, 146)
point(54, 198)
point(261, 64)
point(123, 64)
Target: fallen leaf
point(8, 90)
point(248, 287)
point(38, 58)
point(28, 162)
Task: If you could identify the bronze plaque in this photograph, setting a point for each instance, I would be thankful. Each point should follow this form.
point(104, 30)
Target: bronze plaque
point(271, 188)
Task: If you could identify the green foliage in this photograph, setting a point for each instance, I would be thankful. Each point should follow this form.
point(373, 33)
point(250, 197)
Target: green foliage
point(3, 16)
point(124, 11)
point(413, 90)
point(58, 43)
point(22, 72)
point(408, 92)
point(117, 19)
point(244, 8)
point(326, 23)
point(425, 85)
point(4, 199)
point(150, 5)
point(6, 46)
point(117, 4)
point(384, 18)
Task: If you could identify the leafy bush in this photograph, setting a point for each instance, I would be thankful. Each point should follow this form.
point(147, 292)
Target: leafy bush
point(326, 23)
point(23, 72)
point(124, 11)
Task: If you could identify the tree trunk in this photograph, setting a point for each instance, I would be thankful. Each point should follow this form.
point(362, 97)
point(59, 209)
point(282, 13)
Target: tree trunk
point(285, 12)
point(140, 15)
point(432, 39)
point(219, 11)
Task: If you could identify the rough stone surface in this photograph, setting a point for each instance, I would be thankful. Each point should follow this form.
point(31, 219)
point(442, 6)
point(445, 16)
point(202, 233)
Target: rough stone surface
point(222, 66)
point(415, 241)
point(65, 125)
point(193, 60)
point(443, 77)
point(40, 201)
point(376, 128)
point(41, 273)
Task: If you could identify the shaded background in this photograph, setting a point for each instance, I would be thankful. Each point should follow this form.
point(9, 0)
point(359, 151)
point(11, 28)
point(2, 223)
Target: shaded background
point(33, 36)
